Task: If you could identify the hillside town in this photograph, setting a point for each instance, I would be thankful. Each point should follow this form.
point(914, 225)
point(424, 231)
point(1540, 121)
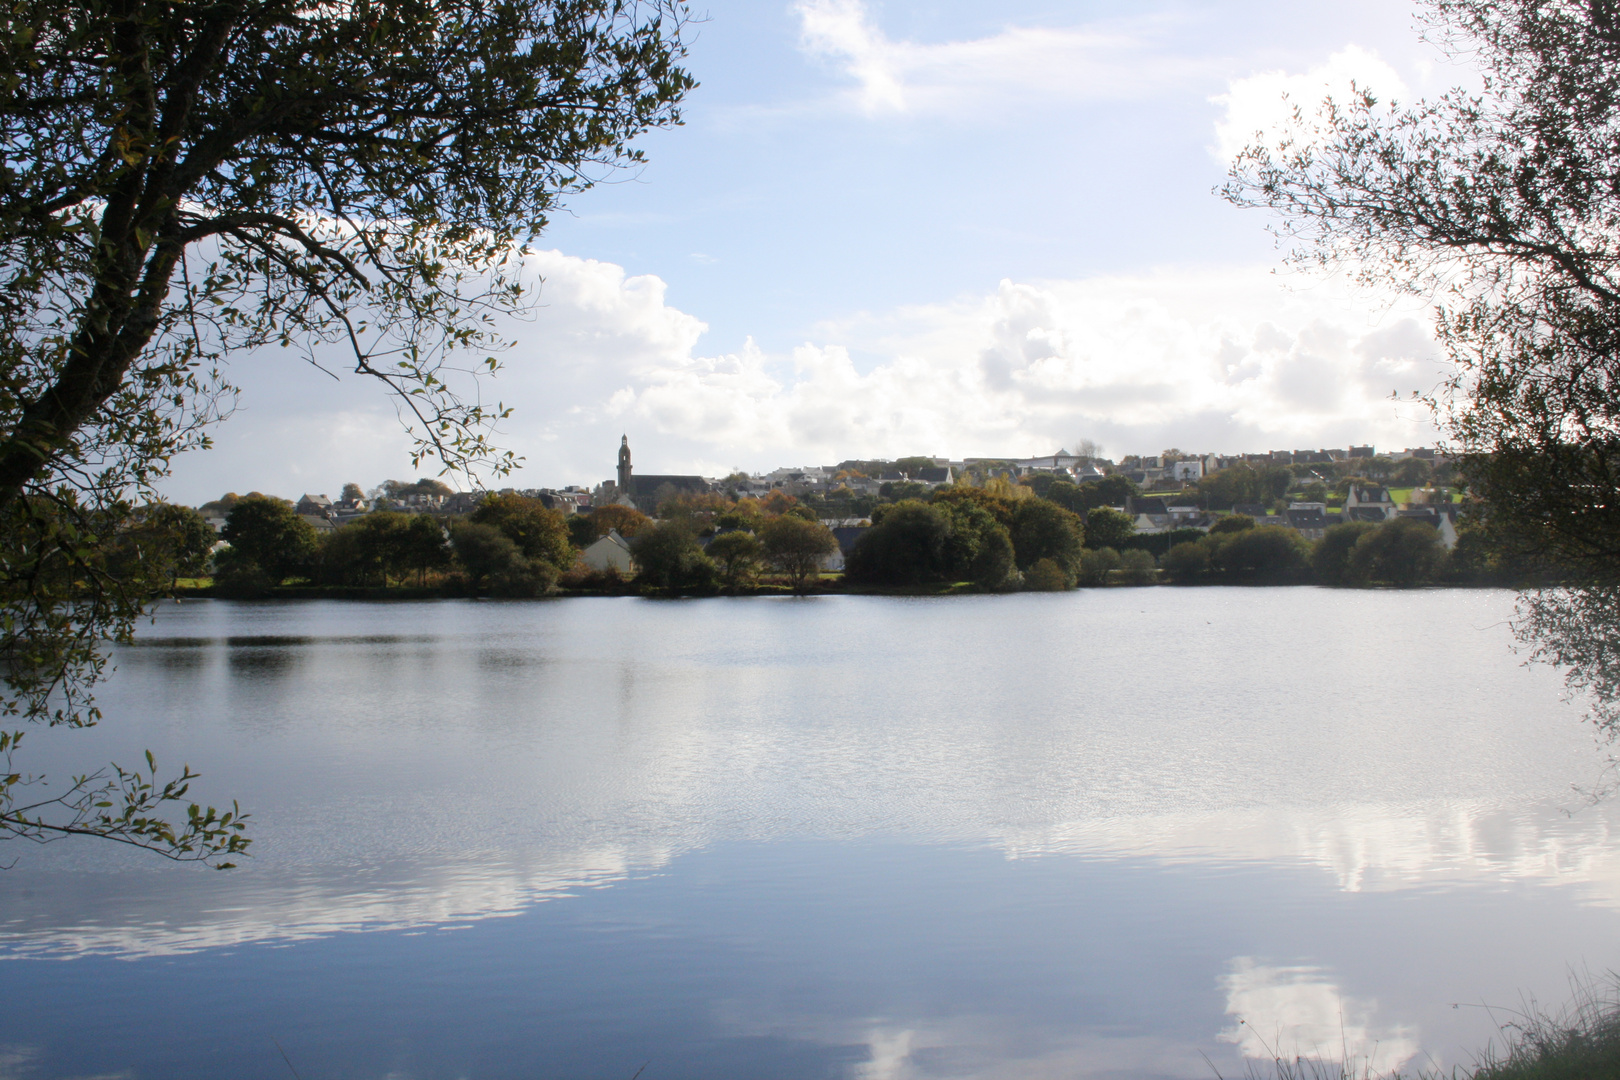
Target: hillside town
point(990, 523)
point(1308, 491)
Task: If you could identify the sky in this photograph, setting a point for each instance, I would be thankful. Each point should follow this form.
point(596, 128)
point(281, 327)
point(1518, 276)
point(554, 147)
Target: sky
point(942, 228)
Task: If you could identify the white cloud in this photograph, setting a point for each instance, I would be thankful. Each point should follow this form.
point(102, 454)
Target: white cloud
point(1265, 105)
point(1220, 359)
point(1029, 63)
point(1295, 1012)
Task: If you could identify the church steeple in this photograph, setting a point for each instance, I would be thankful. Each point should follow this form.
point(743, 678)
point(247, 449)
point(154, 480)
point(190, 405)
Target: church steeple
point(624, 465)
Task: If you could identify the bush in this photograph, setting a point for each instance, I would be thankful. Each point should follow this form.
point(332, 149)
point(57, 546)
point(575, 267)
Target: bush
point(1137, 567)
point(1186, 562)
point(1046, 576)
point(1097, 564)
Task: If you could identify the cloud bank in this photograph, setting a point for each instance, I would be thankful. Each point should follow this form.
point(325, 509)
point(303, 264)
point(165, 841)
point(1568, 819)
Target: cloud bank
point(1222, 359)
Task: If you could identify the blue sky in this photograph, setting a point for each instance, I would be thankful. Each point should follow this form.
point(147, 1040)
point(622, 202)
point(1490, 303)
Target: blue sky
point(939, 228)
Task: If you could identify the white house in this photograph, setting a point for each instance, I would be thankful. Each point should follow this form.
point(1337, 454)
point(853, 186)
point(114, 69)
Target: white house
point(611, 552)
point(1368, 503)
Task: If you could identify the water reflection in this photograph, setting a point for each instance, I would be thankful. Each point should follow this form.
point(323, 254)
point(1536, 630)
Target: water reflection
point(1369, 849)
point(854, 837)
point(1578, 631)
point(1298, 1012)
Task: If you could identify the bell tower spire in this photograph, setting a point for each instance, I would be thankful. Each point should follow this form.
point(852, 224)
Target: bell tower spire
point(624, 465)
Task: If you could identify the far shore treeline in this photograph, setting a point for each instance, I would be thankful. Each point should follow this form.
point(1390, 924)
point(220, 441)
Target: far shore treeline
point(979, 534)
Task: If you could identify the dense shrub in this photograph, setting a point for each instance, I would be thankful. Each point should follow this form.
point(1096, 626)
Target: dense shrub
point(1186, 561)
point(1096, 564)
point(1046, 575)
point(1137, 567)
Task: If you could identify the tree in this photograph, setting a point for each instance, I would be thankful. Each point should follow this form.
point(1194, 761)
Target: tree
point(269, 543)
point(626, 519)
point(183, 183)
point(1231, 523)
point(1137, 566)
point(176, 540)
point(352, 493)
point(797, 547)
point(377, 546)
point(906, 545)
point(1411, 472)
point(423, 547)
point(1044, 530)
point(538, 531)
point(738, 556)
point(668, 557)
point(1400, 552)
point(1109, 491)
point(496, 564)
point(1331, 559)
point(1107, 527)
point(1501, 205)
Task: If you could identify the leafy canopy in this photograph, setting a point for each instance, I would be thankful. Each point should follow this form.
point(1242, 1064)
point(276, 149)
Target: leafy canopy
point(183, 182)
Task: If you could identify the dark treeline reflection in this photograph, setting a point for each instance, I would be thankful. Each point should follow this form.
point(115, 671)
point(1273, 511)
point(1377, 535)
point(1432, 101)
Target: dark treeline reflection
point(1578, 630)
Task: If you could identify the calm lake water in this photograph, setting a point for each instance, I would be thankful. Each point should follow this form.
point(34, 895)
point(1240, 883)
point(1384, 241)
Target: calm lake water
point(1097, 834)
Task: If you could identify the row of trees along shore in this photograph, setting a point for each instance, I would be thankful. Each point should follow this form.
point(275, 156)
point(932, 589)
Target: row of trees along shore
point(991, 536)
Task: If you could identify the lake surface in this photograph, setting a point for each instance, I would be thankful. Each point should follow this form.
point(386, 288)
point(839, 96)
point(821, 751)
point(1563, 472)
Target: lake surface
point(1129, 832)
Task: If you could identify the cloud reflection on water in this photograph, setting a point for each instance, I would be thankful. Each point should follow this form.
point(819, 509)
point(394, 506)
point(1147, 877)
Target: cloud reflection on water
point(1297, 1012)
point(1368, 848)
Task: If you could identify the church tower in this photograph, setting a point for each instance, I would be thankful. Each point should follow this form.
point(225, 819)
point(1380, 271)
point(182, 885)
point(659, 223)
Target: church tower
point(624, 465)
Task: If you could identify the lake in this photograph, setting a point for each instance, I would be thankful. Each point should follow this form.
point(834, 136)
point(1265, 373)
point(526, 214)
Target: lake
point(1125, 832)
